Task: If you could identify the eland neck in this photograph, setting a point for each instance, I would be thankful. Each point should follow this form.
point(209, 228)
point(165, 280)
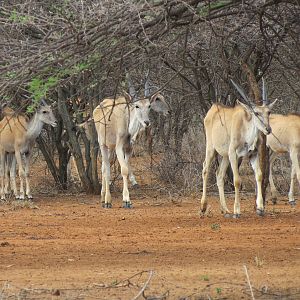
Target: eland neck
point(35, 127)
point(251, 134)
point(134, 123)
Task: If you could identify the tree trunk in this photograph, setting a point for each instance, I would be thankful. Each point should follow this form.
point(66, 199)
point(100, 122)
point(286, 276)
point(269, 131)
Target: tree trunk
point(262, 147)
point(74, 145)
point(49, 160)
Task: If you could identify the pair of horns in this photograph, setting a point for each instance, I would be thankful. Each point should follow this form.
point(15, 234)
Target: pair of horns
point(44, 103)
point(132, 91)
point(246, 98)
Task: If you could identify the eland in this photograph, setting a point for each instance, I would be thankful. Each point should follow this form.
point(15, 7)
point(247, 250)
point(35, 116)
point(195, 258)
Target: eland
point(118, 122)
point(233, 132)
point(161, 107)
point(17, 136)
point(285, 138)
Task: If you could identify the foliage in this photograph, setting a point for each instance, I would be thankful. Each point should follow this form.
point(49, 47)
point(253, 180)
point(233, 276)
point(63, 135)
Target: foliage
point(192, 48)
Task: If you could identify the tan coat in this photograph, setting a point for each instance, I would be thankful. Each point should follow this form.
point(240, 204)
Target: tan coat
point(117, 122)
point(17, 136)
point(285, 138)
point(233, 132)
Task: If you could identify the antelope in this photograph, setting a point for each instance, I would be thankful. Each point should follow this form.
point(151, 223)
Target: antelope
point(163, 108)
point(233, 132)
point(117, 121)
point(285, 138)
point(7, 112)
point(17, 136)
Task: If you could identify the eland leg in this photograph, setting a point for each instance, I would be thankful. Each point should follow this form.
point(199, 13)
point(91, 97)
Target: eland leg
point(105, 190)
point(13, 169)
point(123, 161)
point(258, 177)
point(7, 165)
point(21, 174)
point(27, 169)
point(273, 190)
point(220, 174)
point(210, 153)
point(292, 185)
point(295, 171)
point(2, 173)
point(132, 177)
point(236, 181)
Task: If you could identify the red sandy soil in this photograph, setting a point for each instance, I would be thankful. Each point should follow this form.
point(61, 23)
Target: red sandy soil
point(68, 247)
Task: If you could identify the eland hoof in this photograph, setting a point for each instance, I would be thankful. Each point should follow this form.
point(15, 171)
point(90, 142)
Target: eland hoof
point(227, 215)
point(135, 186)
point(236, 216)
point(201, 213)
point(260, 212)
point(292, 203)
point(127, 205)
point(274, 201)
point(106, 205)
point(203, 208)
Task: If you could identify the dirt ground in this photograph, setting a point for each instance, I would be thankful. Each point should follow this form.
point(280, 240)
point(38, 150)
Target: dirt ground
point(71, 247)
point(68, 247)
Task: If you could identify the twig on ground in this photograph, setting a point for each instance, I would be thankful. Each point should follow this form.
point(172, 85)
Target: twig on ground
point(249, 283)
point(144, 286)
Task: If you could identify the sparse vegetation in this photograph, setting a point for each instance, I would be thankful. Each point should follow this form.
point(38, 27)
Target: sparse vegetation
point(259, 262)
point(205, 278)
point(21, 204)
point(215, 226)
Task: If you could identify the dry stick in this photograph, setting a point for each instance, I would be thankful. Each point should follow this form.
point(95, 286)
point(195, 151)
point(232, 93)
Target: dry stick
point(144, 287)
point(248, 279)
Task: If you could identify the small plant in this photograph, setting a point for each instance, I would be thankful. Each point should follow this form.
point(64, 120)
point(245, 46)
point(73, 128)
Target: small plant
point(205, 278)
point(215, 226)
point(15, 17)
point(218, 290)
point(115, 282)
point(258, 261)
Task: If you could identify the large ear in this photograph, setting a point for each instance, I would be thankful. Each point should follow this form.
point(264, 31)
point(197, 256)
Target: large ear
point(246, 107)
point(3, 105)
point(127, 97)
point(159, 104)
point(272, 104)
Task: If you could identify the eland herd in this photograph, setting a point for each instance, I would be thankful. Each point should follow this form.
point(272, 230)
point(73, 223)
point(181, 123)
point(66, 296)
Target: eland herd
point(231, 132)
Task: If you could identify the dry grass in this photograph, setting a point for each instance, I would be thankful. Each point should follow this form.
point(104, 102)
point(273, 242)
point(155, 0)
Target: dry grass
point(259, 262)
point(22, 204)
point(181, 169)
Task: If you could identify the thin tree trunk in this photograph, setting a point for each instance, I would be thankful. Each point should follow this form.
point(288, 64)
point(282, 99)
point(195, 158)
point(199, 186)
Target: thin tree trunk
point(262, 147)
point(75, 147)
point(49, 160)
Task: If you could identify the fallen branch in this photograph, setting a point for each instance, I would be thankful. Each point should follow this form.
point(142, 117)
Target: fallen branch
point(249, 283)
point(144, 286)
